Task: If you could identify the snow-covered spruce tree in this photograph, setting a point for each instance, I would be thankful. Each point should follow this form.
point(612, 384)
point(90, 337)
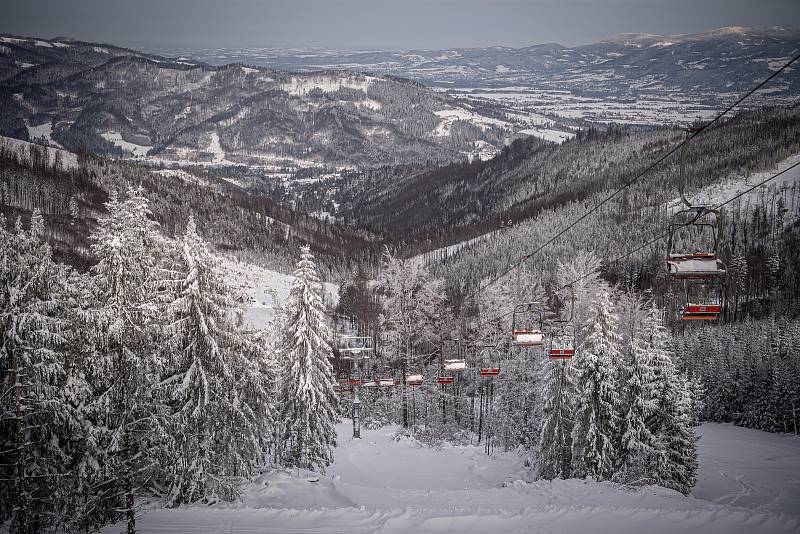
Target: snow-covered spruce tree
point(674, 463)
point(218, 390)
point(553, 454)
point(34, 419)
point(698, 393)
point(123, 320)
point(597, 400)
point(637, 444)
point(308, 402)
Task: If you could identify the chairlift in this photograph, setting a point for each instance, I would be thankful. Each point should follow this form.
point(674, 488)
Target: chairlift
point(455, 365)
point(702, 263)
point(700, 269)
point(451, 351)
point(701, 305)
point(526, 326)
point(414, 380)
point(562, 334)
point(450, 360)
point(380, 382)
point(355, 347)
point(562, 343)
point(490, 363)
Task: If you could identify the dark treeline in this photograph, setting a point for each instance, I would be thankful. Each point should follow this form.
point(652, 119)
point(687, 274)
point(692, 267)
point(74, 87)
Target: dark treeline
point(750, 372)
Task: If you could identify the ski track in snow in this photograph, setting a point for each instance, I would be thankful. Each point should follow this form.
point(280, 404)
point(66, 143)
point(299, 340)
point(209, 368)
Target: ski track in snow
point(748, 482)
point(744, 467)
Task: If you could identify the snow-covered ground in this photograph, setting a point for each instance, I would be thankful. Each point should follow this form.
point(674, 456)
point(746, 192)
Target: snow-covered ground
point(44, 130)
point(266, 289)
point(730, 186)
point(451, 115)
point(749, 468)
point(548, 134)
point(133, 148)
point(727, 188)
point(749, 482)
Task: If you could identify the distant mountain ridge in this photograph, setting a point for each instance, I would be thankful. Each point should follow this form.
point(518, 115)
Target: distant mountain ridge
point(108, 100)
point(719, 61)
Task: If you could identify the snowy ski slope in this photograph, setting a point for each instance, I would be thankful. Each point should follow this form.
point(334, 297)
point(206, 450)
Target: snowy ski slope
point(749, 482)
point(265, 289)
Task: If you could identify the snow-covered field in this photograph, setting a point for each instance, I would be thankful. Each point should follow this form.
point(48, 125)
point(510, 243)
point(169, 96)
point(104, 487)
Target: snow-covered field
point(133, 148)
point(556, 136)
point(656, 106)
point(749, 482)
point(44, 130)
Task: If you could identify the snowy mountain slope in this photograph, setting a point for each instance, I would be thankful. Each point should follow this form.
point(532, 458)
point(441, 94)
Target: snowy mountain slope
point(436, 208)
point(22, 148)
point(163, 110)
point(730, 186)
point(747, 484)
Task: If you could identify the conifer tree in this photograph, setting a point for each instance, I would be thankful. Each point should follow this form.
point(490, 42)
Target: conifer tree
point(308, 401)
point(553, 456)
point(675, 455)
point(127, 246)
point(637, 443)
point(219, 392)
point(33, 414)
point(593, 436)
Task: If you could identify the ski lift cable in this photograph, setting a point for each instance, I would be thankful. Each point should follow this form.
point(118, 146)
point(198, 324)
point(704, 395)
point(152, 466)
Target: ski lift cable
point(662, 236)
point(666, 234)
point(630, 182)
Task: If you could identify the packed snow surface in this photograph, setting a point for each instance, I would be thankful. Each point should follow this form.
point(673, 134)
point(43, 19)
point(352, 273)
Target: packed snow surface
point(749, 482)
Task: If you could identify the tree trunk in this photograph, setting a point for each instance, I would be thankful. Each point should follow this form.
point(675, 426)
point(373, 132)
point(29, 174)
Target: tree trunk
point(22, 500)
point(129, 509)
point(480, 416)
point(403, 379)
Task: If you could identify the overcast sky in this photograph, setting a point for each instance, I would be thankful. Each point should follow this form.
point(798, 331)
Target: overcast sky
point(378, 24)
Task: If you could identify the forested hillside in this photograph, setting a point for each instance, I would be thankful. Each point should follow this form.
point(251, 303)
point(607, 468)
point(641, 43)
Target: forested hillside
point(250, 225)
point(426, 208)
point(120, 103)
